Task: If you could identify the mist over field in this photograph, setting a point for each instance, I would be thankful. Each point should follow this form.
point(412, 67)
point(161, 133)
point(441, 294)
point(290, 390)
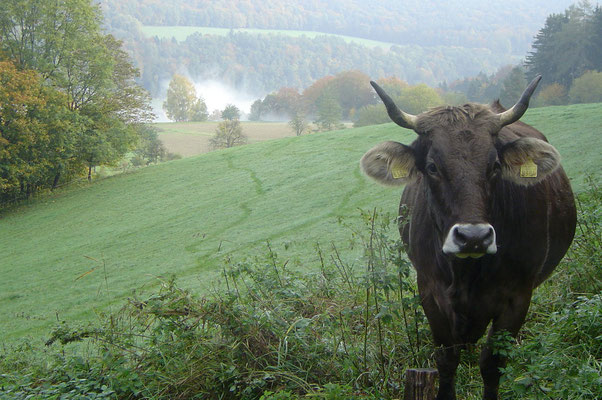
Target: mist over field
point(217, 96)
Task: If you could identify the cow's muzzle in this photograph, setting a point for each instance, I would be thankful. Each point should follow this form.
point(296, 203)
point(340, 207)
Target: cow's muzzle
point(474, 240)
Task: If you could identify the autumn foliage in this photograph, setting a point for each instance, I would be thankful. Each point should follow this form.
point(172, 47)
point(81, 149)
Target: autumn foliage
point(33, 125)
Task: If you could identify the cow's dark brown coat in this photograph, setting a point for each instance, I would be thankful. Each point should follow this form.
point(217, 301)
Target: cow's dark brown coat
point(480, 236)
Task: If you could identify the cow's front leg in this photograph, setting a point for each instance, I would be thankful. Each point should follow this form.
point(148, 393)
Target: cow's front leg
point(510, 321)
point(447, 359)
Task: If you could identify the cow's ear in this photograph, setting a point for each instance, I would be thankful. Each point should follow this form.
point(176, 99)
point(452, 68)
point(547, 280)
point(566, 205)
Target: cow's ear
point(527, 161)
point(389, 163)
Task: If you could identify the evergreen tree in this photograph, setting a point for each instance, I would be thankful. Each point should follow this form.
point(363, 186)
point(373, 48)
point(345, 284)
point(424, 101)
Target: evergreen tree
point(512, 87)
point(541, 60)
point(568, 45)
point(594, 47)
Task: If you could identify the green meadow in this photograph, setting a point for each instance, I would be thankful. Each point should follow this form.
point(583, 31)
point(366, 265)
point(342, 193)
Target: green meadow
point(180, 33)
point(81, 250)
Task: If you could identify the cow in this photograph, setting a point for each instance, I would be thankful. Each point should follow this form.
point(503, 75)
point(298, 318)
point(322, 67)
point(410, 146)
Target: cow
point(491, 214)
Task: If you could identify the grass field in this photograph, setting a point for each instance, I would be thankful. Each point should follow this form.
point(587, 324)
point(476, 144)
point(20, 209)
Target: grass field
point(180, 33)
point(85, 249)
point(192, 138)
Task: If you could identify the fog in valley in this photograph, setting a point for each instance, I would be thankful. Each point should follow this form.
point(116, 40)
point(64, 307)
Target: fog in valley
point(236, 53)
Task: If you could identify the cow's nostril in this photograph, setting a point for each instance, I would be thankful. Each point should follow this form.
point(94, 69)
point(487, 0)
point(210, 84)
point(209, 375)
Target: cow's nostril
point(459, 237)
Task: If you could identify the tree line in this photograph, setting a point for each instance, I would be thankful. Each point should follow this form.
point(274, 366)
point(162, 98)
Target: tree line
point(68, 97)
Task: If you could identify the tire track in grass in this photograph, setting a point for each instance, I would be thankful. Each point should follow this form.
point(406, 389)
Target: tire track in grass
point(206, 260)
point(334, 212)
point(244, 207)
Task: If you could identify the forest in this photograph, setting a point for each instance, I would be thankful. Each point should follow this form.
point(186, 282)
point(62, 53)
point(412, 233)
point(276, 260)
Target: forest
point(412, 22)
point(430, 44)
point(261, 63)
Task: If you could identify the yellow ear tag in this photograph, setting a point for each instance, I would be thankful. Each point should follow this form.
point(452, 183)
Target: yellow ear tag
point(399, 171)
point(528, 169)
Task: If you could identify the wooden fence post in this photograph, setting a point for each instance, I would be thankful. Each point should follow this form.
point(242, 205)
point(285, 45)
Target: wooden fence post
point(420, 384)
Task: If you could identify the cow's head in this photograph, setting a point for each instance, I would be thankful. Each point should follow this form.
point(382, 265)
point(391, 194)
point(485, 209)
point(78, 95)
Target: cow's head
point(460, 158)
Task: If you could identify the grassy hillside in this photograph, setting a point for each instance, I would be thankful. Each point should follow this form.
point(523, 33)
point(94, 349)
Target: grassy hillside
point(87, 248)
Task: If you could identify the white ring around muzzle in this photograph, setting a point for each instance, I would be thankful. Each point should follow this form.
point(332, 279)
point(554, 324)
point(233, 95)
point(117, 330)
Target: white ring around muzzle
point(453, 246)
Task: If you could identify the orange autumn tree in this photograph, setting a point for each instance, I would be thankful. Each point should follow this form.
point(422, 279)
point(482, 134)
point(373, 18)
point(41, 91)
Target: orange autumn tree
point(34, 130)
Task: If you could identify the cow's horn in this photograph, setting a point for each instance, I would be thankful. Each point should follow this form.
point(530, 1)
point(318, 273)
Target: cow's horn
point(399, 117)
point(517, 110)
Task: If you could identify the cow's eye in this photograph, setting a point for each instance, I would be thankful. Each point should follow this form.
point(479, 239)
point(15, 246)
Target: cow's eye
point(431, 168)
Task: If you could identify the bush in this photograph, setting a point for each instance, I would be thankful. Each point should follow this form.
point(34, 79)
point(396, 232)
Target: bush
point(552, 95)
point(228, 134)
point(587, 88)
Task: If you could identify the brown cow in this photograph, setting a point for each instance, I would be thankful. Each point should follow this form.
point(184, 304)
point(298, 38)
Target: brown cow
point(491, 215)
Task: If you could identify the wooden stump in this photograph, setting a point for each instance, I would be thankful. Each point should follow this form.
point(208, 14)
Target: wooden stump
point(420, 384)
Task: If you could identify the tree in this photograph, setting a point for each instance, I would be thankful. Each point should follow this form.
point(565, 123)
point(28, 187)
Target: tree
point(541, 61)
point(228, 134)
point(256, 110)
point(418, 98)
point(289, 101)
point(329, 113)
point(62, 40)
point(181, 98)
point(36, 131)
point(231, 113)
point(512, 87)
point(312, 94)
point(392, 85)
point(568, 45)
point(216, 115)
point(50, 36)
point(594, 48)
point(198, 111)
point(352, 90)
point(150, 148)
point(371, 115)
point(587, 88)
point(299, 124)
